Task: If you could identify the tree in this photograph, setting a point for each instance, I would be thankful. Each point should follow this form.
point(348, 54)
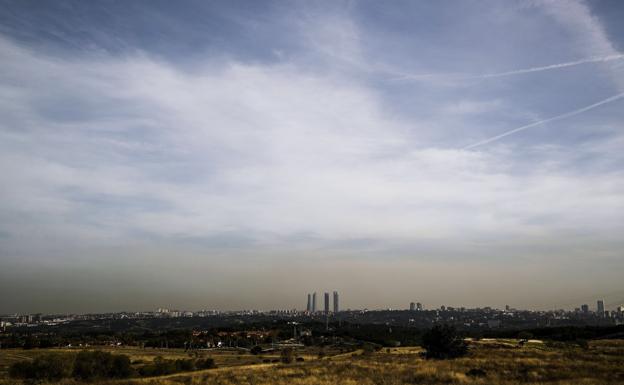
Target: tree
point(120, 367)
point(443, 342)
point(256, 350)
point(525, 335)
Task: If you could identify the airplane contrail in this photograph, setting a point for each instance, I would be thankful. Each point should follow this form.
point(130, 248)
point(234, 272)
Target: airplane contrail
point(558, 117)
point(593, 59)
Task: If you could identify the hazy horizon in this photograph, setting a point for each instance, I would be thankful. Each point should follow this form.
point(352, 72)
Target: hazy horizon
point(239, 155)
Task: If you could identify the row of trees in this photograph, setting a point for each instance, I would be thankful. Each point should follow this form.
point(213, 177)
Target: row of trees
point(86, 365)
point(91, 365)
point(161, 366)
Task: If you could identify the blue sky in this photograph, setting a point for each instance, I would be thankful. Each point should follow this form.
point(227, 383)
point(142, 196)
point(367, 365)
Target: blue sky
point(241, 154)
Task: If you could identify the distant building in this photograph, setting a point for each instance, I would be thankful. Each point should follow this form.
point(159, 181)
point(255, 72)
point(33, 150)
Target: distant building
point(326, 303)
point(412, 306)
point(493, 323)
point(585, 308)
point(309, 307)
point(600, 307)
point(336, 303)
point(419, 306)
point(314, 302)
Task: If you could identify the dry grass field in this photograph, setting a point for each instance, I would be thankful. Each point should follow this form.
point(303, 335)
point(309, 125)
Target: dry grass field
point(501, 362)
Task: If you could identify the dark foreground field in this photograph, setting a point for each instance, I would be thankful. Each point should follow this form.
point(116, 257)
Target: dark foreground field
point(502, 362)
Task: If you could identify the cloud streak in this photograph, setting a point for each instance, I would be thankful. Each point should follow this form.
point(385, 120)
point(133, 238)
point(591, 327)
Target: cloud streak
point(594, 59)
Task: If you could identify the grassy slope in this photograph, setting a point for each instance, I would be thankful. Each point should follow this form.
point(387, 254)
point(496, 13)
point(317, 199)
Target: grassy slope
point(504, 362)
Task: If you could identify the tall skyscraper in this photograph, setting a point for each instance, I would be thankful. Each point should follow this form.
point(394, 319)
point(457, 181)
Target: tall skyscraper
point(412, 306)
point(419, 306)
point(585, 308)
point(309, 307)
point(600, 307)
point(314, 302)
point(336, 306)
point(326, 303)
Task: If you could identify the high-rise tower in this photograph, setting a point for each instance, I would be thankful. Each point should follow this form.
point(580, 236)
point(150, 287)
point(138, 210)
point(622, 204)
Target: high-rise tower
point(309, 307)
point(314, 302)
point(336, 305)
point(600, 308)
point(326, 303)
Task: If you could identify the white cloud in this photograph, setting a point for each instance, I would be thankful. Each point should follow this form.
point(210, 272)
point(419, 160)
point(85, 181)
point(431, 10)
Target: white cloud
point(263, 150)
point(577, 18)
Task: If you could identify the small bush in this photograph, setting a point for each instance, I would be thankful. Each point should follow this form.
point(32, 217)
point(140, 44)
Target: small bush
point(287, 355)
point(184, 365)
point(476, 373)
point(256, 350)
point(583, 344)
point(368, 349)
point(207, 363)
point(525, 335)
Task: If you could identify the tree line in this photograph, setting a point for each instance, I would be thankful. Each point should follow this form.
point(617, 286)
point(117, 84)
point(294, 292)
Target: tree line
point(91, 365)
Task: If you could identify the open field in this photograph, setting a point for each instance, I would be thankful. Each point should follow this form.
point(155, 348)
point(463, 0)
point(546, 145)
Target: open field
point(489, 362)
point(222, 357)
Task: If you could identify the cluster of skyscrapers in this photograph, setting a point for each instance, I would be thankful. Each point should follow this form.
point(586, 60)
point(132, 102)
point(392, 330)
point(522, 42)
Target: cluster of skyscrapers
point(416, 306)
point(311, 307)
point(600, 308)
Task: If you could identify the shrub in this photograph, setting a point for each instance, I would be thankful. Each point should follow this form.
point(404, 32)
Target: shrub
point(368, 349)
point(525, 335)
point(207, 363)
point(443, 342)
point(287, 355)
point(184, 365)
point(476, 373)
point(583, 344)
point(256, 350)
point(300, 359)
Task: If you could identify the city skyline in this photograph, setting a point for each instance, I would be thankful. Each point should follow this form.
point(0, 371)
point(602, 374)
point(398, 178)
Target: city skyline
point(311, 309)
point(235, 154)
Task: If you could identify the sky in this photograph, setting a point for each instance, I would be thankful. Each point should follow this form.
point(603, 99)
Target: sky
point(241, 154)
